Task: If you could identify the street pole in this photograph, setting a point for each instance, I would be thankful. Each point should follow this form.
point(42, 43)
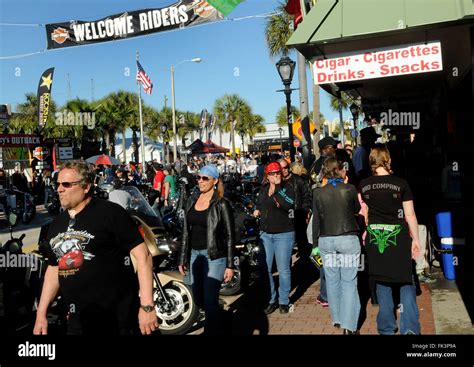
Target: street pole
point(280, 130)
point(341, 122)
point(142, 142)
point(175, 141)
point(290, 121)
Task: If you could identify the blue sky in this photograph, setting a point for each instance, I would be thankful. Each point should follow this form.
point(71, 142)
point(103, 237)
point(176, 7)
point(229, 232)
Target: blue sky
point(234, 53)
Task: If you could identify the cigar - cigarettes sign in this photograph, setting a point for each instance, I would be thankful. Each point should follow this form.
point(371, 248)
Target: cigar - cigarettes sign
point(379, 63)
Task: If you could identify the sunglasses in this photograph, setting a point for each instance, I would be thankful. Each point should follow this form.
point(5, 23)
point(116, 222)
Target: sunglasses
point(204, 178)
point(274, 173)
point(284, 167)
point(67, 185)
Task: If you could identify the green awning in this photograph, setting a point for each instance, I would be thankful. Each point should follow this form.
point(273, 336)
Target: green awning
point(339, 20)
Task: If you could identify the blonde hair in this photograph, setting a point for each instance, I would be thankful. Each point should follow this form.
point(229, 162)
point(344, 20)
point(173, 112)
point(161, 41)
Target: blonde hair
point(220, 189)
point(83, 169)
point(298, 168)
point(379, 157)
point(331, 168)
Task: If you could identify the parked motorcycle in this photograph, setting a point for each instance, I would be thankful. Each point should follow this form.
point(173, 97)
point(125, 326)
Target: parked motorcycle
point(23, 202)
point(248, 252)
point(22, 278)
point(174, 303)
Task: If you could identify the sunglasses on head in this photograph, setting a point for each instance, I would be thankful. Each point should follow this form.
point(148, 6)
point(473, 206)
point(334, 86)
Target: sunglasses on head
point(204, 178)
point(67, 185)
point(274, 173)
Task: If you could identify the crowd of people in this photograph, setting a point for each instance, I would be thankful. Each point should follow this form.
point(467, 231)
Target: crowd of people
point(349, 203)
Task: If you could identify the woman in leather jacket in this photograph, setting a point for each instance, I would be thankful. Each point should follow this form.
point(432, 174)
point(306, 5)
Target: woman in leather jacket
point(206, 257)
point(335, 229)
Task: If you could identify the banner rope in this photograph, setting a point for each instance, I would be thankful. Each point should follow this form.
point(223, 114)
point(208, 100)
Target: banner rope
point(265, 15)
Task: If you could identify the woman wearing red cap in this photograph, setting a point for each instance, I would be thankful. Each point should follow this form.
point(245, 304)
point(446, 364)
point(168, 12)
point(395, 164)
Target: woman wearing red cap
point(275, 207)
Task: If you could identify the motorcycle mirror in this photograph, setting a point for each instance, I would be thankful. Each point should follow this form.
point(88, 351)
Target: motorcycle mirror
point(12, 218)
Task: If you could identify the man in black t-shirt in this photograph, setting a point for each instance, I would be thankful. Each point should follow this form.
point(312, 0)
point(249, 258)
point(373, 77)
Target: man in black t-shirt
point(89, 262)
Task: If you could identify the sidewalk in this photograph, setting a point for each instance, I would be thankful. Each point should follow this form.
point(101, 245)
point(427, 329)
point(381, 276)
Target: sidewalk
point(311, 318)
point(441, 311)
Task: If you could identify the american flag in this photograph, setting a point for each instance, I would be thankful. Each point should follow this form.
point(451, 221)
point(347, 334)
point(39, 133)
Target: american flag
point(144, 79)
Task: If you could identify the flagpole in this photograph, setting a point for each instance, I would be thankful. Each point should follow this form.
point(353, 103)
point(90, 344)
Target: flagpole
point(142, 141)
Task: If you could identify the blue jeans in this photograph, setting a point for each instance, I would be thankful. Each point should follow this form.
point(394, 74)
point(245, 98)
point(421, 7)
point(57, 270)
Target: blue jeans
point(206, 276)
point(341, 256)
point(280, 246)
point(409, 316)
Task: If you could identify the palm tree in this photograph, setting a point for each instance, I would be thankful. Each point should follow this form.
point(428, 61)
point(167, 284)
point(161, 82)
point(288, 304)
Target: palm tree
point(346, 101)
point(281, 117)
point(255, 127)
point(114, 110)
point(277, 33)
point(87, 132)
point(25, 120)
point(232, 109)
point(190, 123)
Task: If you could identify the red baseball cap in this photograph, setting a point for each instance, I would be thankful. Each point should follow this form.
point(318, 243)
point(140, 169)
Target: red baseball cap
point(273, 167)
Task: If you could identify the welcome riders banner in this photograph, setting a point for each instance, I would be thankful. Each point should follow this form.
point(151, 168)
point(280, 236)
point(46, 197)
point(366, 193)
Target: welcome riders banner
point(44, 96)
point(182, 14)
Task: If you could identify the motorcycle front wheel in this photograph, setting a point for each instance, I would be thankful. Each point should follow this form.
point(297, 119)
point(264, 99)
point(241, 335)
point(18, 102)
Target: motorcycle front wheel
point(177, 316)
point(235, 285)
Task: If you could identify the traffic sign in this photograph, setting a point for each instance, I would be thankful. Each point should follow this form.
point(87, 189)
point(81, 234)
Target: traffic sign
point(296, 143)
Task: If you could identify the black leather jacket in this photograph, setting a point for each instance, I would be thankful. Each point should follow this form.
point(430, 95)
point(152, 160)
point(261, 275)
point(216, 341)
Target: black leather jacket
point(220, 231)
point(335, 210)
point(302, 192)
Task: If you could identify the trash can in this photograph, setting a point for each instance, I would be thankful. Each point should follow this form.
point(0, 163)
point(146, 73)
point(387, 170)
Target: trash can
point(444, 224)
point(445, 232)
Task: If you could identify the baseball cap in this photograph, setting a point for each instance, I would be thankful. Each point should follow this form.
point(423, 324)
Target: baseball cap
point(327, 140)
point(209, 170)
point(273, 167)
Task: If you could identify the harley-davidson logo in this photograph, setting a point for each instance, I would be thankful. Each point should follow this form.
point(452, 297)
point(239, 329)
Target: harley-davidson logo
point(60, 35)
point(203, 9)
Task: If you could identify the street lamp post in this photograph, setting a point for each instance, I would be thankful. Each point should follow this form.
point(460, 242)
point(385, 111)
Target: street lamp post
point(286, 68)
point(175, 141)
point(163, 129)
point(280, 130)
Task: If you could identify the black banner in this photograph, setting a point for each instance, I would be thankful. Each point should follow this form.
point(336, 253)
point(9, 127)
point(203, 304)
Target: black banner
point(182, 14)
point(44, 96)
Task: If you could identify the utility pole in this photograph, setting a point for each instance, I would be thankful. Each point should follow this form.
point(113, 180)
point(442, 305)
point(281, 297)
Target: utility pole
point(92, 90)
point(68, 87)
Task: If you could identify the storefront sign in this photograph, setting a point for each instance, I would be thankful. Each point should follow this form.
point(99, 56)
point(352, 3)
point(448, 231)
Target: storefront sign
point(379, 63)
point(18, 140)
point(65, 153)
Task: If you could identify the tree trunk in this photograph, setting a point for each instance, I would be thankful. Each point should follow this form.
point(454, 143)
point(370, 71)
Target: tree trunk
point(107, 143)
point(103, 146)
point(135, 145)
point(232, 137)
point(220, 136)
point(124, 146)
point(112, 142)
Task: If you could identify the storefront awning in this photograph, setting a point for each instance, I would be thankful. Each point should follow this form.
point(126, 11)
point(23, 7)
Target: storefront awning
point(335, 21)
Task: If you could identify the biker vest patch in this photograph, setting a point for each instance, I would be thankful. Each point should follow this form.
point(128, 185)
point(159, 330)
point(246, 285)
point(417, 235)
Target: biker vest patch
point(384, 235)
